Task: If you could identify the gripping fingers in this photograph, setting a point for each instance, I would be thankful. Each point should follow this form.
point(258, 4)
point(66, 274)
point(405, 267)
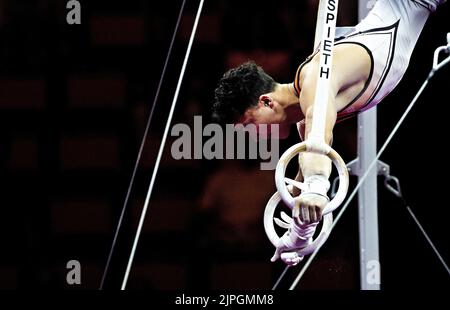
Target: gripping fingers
point(312, 214)
point(291, 258)
point(309, 208)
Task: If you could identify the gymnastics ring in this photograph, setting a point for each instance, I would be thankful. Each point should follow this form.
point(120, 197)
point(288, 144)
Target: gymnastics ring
point(275, 239)
point(280, 179)
point(283, 194)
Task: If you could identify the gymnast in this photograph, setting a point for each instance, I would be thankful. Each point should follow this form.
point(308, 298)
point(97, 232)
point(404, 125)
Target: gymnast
point(370, 59)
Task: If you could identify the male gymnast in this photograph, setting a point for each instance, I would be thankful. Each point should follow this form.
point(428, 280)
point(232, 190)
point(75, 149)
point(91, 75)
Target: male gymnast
point(370, 59)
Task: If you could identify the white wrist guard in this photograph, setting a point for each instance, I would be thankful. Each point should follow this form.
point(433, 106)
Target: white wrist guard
point(316, 184)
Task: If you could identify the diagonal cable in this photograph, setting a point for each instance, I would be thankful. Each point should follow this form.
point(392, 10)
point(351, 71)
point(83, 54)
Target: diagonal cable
point(161, 148)
point(141, 148)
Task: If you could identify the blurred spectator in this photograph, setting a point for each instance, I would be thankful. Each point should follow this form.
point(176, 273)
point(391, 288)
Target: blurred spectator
point(235, 197)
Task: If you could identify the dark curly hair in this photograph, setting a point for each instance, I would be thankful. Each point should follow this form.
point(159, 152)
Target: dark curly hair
point(239, 89)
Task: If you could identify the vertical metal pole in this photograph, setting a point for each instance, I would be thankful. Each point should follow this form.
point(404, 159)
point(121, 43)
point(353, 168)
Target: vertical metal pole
point(367, 196)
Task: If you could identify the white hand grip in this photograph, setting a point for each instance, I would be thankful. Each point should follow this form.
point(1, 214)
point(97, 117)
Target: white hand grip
point(280, 179)
point(275, 239)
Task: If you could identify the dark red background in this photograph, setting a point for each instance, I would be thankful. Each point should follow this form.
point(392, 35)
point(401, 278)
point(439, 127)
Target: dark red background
point(73, 105)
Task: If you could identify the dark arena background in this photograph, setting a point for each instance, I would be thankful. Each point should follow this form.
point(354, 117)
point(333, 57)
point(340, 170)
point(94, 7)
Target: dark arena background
point(74, 102)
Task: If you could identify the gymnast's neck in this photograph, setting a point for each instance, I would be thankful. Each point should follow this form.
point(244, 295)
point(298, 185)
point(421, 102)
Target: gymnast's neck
point(289, 101)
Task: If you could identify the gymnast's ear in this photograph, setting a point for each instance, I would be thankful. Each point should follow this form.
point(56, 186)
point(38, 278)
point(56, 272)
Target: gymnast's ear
point(265, 101)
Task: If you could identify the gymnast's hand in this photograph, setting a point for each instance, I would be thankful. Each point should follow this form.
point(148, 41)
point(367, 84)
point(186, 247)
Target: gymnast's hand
point(309, 207)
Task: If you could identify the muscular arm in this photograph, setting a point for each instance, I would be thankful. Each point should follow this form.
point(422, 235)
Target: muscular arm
point(310, 163)
point(351, 68)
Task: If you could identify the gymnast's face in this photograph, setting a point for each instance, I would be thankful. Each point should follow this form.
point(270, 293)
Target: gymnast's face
point(269, 113)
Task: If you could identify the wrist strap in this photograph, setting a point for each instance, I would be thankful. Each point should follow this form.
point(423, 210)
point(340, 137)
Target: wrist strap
point(316, 184)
